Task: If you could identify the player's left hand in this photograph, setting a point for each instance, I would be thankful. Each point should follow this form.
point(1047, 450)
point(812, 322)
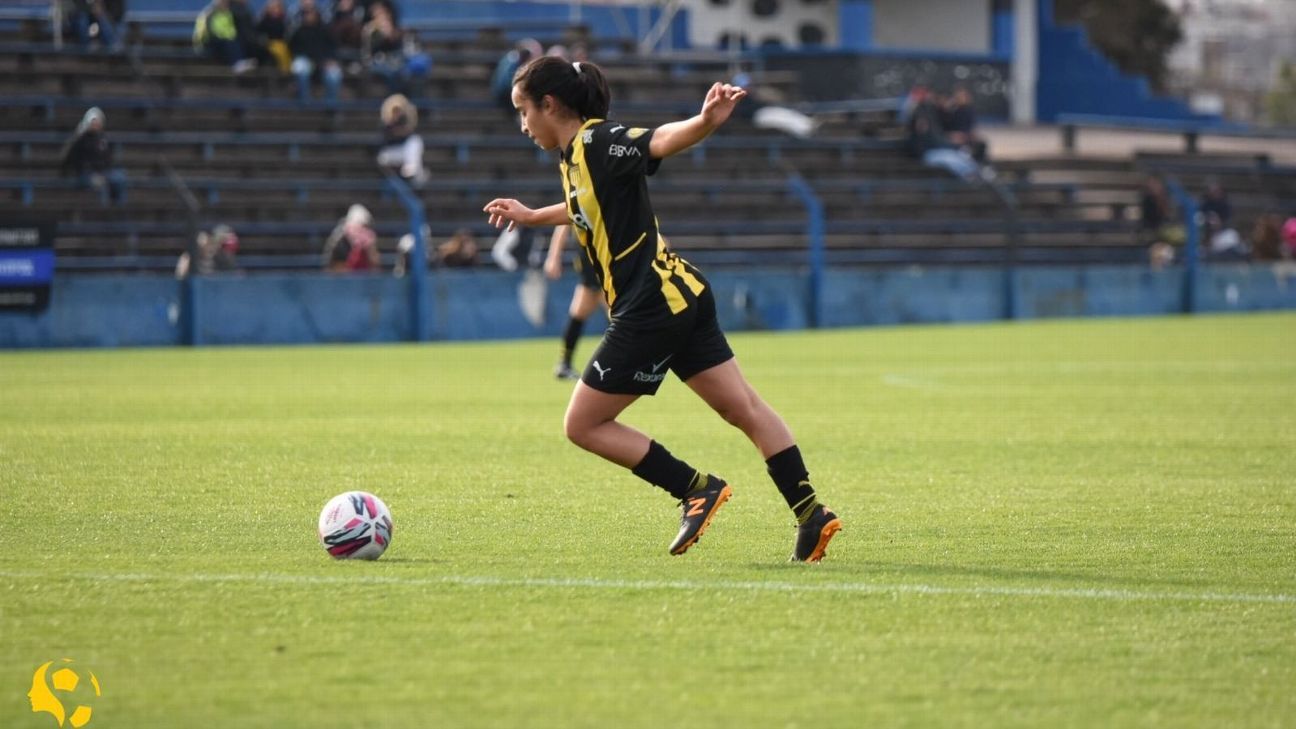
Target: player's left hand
point(720, 102)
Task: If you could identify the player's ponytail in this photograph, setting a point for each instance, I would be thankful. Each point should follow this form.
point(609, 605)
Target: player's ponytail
point(579, 86)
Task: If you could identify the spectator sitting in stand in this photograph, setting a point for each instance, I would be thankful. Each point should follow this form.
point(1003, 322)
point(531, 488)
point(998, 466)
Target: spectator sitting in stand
point(959, 122)
point(217, 251)
point(314, 50)
point(272, 32)
point(764, 106)
point(460, 251)
point(353, 244)
point(1267, 239)
point(393, 54)
point(299, 9)
point(89, 156)
point(1214, 215)
point(370, 9)
point(216, 34)
point(347, 25)
point(84, 17)
point(1156, 223)
point(402, 147)
point(1215, 209)
point(405, 250)
point(917, 94)
point(926, 139)
point(254, 50)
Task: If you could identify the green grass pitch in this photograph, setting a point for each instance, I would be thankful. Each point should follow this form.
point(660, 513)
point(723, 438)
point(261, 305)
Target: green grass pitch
point(1074, 523)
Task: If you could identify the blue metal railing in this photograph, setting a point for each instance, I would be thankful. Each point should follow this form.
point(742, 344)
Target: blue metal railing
point(188, 295)
point(815, 233)
point(417, 268)
point(1188, 210)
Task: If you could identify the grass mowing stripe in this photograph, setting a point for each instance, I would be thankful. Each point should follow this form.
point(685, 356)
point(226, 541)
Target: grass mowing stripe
point(595, 583)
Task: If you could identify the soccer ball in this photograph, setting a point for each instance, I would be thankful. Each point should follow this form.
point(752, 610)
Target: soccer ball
point(355, 525)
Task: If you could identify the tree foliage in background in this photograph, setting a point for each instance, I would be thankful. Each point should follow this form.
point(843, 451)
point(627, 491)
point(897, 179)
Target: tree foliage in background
point(1136, 35)
point(1280, 104)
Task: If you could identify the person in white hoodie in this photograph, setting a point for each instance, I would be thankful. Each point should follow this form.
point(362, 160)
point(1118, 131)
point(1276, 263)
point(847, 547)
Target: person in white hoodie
point(353, 244)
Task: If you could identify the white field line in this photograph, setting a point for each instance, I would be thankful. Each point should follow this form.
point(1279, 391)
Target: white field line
point(930, 378)
point(595, 583)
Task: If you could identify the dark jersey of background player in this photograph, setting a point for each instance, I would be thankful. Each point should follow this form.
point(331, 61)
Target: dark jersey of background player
point(604, 173)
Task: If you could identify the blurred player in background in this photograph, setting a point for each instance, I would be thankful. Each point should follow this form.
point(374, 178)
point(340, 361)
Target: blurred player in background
point(585, 299)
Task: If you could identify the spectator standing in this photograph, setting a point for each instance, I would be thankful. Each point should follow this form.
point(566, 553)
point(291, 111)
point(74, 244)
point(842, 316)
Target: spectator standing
point(353, 244)
point(506, 67)
point(89, 156)
point(402, 147)
point(314, 50)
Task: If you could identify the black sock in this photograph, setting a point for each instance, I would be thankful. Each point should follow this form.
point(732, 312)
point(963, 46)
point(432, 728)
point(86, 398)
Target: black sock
point(793, 481)
point(570, 336)
point(667, 472)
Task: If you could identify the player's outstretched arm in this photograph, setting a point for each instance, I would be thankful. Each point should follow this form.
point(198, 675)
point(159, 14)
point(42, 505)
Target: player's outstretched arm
point(507, 210)
point(678, 136)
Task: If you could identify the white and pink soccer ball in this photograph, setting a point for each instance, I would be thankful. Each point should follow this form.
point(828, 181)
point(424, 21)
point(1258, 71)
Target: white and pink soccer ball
point(355, 525)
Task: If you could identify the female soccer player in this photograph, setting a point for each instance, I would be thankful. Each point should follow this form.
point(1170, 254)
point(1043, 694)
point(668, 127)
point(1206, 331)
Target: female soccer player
point(585, 299)
point(662, 311)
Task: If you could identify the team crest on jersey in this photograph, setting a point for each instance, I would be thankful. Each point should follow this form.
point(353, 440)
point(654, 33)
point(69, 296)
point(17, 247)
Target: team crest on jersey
point(574, 176)
point(636, 132)
point(588, 136)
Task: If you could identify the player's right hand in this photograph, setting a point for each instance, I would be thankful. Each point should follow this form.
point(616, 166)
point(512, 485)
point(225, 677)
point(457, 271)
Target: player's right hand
point(507, 210)
point(553, 267)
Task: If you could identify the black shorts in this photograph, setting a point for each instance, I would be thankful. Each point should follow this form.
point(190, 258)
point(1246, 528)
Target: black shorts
point(634, 361)
point(586, 273)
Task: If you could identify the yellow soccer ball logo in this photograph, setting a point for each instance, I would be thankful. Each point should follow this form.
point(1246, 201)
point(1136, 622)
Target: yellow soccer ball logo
point(47, 687)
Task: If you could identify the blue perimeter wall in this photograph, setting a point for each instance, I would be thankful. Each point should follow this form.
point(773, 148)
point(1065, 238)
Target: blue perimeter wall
point(139, 310)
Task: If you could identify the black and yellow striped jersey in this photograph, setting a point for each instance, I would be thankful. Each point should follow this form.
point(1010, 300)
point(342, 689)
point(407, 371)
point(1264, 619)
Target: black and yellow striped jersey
point(604, 172)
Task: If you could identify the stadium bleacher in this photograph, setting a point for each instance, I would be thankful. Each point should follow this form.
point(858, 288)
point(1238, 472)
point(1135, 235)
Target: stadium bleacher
point(282, 172)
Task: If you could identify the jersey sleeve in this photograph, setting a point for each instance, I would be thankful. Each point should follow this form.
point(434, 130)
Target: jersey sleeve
point(623, 150)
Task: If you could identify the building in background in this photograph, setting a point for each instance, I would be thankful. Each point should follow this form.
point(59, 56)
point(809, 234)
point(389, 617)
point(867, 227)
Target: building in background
point(1232, 53)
